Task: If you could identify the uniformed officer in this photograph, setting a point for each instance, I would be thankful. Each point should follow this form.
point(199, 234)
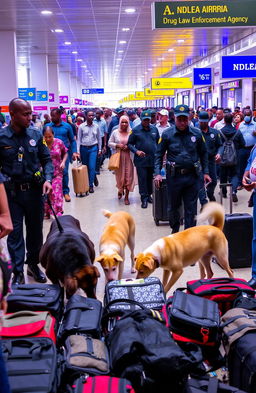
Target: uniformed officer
point(186, 158)
point(213, 143)
point(26, 164)
point(143, 143)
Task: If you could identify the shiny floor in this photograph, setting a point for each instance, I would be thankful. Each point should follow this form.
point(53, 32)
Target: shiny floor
point(88, 211)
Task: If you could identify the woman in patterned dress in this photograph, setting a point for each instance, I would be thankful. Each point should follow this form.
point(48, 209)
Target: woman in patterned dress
point(59, 156)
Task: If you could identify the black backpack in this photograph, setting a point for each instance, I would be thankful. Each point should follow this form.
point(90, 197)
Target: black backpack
point(228, 154)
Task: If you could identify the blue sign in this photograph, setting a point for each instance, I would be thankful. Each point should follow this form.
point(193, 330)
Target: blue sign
point(202, 76)
point(28, 94)
point(92, 91)
point(238, 66)
point(42, 95)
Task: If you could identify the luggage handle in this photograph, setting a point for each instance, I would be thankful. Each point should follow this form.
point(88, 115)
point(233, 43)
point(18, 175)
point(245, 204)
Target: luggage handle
point(224, 289)
point(230, 196)
point(223, 280)
point(126, 301)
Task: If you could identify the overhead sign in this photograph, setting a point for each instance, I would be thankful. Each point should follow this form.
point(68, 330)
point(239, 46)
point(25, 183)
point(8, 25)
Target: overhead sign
point(139, 95)
point(40, 108)
point(239, 67)
point(51, 97)
point(92, 91)
point(202, 76)
point(231, 85)
point(78, 101)
point(149, 92)
point(63, 99)
point(5, 108)
point(171, 83)
point(42, 95)
point(28, 94)
point(186, 14)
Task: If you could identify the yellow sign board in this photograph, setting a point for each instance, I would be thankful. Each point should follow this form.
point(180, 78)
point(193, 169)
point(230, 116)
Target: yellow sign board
point(171, 83)
point(139, 94)
point(149, 92)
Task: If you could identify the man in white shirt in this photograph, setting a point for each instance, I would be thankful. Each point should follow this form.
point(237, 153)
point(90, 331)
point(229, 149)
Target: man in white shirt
point(163, 121)
point(220, 117)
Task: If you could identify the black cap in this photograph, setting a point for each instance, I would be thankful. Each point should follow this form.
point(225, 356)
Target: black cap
point(203, 117)
point(181, 110)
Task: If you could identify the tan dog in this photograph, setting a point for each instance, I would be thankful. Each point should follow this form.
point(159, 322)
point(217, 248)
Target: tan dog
point(182, 249)
point(119, 231)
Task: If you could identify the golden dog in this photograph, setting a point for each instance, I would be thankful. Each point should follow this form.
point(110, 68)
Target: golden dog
point(119, 231)
point(182, 249)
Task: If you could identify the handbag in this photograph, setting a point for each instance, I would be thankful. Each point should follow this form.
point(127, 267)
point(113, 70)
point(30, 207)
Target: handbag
point(114, 161)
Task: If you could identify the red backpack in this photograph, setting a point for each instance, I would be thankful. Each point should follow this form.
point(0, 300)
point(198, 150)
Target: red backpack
point(102, 384)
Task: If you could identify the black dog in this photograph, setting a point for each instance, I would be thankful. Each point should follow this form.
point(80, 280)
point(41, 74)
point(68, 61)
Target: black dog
point(68, 257)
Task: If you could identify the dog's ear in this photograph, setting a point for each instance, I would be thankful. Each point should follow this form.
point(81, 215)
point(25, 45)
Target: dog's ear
point(99, 259)
point(118, 258)
point(150, 263)
point(70, 284)
point(96, 271)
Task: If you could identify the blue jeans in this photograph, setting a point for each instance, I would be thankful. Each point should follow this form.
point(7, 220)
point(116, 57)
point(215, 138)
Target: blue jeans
point(89, 157)
point(229, 174)
point(254, 238)
point(65, 178)
point(4, 384)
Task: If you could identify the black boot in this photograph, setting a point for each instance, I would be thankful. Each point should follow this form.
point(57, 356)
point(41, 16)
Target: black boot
point(36, 273)
point(18, 278)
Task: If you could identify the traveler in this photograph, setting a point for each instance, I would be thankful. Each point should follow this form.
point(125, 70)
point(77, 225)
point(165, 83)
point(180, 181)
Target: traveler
point(220, 123)
point(186, 154)
point(22, 155)
point(134, 118)
point(115, 120)
point(163, 123)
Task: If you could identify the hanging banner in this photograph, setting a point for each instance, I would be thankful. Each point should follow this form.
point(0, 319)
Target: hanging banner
point(238, 67)
point(42, 95)
point(28, 94)
point(149, 92)
point(171, 83)
point(202, 76)
point(187, 14)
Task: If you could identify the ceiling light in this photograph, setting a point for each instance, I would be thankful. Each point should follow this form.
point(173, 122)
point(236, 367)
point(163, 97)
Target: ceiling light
point(180, 41)
point(160, 58)
point(130, 10)
point(149, 69)
point(67, 43)
point(122, 42)
point(121, 51)
point(79, 59)
point(46, 12)
point(84, 66)
point(75, 52)
point(58, 31)
point(170, 50)
point(126, 29)
point(119, 59)
point(154, 65)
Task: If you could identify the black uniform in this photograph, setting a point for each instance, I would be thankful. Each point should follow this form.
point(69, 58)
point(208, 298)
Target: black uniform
point(186, 158)
point(21, 159)
point(213, 143)
point(145, 140)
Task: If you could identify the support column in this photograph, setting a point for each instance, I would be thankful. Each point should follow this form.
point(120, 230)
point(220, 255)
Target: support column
point(216, 90)
point(247, 92)
point(54, 87)
point(39, 79)
point(73, 86)
point(9, 80)
point(79, 89)
point(65, 88)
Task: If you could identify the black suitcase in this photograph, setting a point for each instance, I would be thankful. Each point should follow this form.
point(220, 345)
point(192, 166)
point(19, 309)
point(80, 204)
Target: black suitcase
point(242, 363)
point(238, 229)
point(160, 203)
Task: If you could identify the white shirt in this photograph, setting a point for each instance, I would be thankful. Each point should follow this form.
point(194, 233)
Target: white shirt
point(218, 126)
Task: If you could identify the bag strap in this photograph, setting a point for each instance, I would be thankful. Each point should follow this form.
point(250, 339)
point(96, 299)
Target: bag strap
point(224, 136)
point(213, 385)
point(233, 137)
point(60, 227)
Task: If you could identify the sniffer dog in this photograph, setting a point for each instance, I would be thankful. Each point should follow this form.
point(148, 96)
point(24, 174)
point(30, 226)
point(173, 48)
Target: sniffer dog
point(68, 257)
point(200, 243)
point(118, 232)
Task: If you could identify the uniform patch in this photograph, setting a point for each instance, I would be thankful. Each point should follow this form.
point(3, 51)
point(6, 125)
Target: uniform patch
point(203, 138)
point(130, 132)
point(44, 142)
point(160, 140)
point(193, 139)
point(32, 142)
point(212, 136)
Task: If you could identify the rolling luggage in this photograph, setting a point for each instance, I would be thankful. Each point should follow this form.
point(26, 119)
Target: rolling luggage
point(80, 179)
point(160, 203)
point(238, 229)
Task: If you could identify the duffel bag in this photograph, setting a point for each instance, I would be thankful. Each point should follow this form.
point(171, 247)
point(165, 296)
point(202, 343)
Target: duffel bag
point(84, 354)
point(31, 365)
point(149, 292)
point(221, 290)
point(210, 385)
point(37, 297)
point(29, 324)
point(102, 384)
point(81, 315)
point(245, 301)
point(193, 319)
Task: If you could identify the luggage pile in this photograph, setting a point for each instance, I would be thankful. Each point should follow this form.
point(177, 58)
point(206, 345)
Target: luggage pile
point(139, 342)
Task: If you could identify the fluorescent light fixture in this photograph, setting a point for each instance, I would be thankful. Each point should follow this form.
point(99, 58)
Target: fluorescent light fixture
point(84, 66)
point(46, 12)
point(126, 29)
point(130, 10)
point(67, 43)
point(58, 31)
point(180, 41)
point(149, 69)
point(160, 58)
point(79, 59)
point(154, 65)
point(120, 51)
point(119, 59)
point(74, 52)
point(122, 42)
point(170, 50)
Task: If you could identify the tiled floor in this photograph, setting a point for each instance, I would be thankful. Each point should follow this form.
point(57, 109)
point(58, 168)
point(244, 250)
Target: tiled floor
point(88, 211)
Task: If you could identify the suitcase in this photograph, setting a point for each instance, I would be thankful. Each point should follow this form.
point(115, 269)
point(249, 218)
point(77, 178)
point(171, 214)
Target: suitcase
point(160, 203)
point(102, 384)
point(242, 363)
point(80, 180)
point(211, 385)
point(238, 229)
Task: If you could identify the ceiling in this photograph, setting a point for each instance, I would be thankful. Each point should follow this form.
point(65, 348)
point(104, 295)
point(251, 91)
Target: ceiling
point(94, 28)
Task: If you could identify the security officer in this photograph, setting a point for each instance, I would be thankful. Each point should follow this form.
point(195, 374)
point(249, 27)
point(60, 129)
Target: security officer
point(143, 143)
point(186, 158)
point(213, 143)
point(26, 164)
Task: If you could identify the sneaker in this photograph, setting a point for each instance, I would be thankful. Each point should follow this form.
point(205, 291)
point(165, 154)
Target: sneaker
point(234, 197)
point(96, 181)
point(67, 198)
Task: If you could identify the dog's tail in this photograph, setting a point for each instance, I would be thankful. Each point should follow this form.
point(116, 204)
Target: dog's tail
point(214, 213)
point(106, 213)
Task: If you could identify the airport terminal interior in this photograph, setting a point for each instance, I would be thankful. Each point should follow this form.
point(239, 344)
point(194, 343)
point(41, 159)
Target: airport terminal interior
point(176, 79)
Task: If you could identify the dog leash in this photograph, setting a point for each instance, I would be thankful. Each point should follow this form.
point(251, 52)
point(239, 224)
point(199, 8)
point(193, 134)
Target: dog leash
point(60, 227)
